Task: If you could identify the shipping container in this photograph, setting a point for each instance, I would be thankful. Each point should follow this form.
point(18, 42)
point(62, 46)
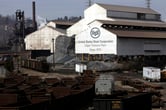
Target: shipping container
point(151, 73)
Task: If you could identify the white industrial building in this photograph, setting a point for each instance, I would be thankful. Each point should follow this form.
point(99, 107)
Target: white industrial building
point(41, 42)
point(119, 30)
point(42, 39)
point(94, 12)
point(107, 29)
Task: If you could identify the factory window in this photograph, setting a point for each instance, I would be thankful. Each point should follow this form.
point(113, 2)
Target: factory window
point(153, 17)
point(121, 14)
point(152, 47)
point(141, 16)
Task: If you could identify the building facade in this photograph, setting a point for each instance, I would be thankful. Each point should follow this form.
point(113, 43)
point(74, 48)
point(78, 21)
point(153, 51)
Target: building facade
point(119, 30)
point(43, 41)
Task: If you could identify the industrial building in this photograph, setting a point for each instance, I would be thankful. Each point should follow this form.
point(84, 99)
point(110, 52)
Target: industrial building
point(42, 41)
point(106, 30)
point(119, 30)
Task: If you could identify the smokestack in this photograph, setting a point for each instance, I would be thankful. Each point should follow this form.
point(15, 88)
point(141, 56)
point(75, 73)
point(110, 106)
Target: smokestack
point(34, 15)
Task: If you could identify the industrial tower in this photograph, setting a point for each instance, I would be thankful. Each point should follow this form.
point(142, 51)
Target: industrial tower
point(148, 3)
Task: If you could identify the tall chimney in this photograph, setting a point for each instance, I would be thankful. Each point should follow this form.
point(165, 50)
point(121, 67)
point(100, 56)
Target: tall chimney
point(34, 15)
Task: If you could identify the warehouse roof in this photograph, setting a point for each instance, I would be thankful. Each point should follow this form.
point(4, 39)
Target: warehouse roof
point(63, 22)
point(135, 23)
point(147, 29)
point(128, 9)
point(138, 34)
point(56, 29)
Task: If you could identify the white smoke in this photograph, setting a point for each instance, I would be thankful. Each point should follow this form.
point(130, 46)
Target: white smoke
point(41, 22)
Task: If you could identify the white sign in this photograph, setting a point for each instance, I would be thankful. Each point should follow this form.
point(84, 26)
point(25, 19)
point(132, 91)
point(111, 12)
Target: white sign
point(96, 40)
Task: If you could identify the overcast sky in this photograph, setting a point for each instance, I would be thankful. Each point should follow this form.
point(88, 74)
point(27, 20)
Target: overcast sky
point(52, 9)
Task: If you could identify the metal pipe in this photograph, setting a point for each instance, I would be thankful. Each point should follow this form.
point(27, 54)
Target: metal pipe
point(53, 51)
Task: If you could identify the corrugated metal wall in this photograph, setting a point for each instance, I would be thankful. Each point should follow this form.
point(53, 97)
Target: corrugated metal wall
point(136, 46)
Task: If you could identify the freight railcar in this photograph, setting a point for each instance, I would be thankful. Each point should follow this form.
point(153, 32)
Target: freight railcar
point(35, 65)
point(129, 101)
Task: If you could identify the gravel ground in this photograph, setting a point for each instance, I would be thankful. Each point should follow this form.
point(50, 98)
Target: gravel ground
point(46, 75)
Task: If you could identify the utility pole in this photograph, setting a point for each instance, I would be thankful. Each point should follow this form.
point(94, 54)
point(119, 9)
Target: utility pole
point(53, 51)
point(89, 3)
point(148, 3)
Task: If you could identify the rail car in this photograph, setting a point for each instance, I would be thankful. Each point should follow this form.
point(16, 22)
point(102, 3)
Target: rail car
point(35, 65)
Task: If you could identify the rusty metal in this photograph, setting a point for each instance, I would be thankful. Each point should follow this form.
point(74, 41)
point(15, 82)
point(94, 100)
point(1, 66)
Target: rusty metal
point(144, 86)
point(35, 65)
point(33, 80)
point(34, 93)
point(139, 84)
point(69, 82)
point(52, 81)
point(129, 101)
point(6, 99)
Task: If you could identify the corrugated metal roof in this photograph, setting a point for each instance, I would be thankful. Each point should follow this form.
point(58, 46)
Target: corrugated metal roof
point(138, 34)
point(135, 23)
point(57, 29)
point(128, 8)
point(63, 22)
